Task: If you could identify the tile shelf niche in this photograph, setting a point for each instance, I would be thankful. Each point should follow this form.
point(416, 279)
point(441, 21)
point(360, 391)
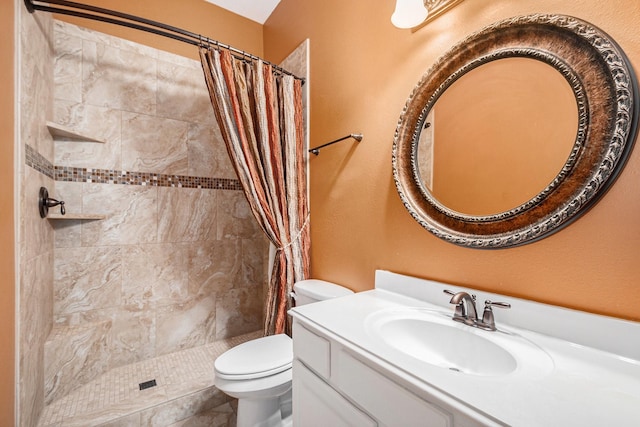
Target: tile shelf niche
point(59, 131)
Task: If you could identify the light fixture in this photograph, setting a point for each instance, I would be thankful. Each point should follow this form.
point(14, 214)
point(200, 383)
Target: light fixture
point(411, 13)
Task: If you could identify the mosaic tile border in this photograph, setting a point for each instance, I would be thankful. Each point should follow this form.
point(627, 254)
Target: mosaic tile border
point(110, 176)
point(38, 162)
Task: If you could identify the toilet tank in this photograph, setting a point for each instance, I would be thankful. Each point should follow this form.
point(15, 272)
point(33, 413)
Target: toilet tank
point(314, 290)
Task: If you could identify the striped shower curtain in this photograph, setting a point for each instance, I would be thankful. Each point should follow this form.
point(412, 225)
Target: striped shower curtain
point(260, 116)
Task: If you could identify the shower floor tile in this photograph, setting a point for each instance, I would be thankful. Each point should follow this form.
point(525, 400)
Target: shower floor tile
point(184, 382)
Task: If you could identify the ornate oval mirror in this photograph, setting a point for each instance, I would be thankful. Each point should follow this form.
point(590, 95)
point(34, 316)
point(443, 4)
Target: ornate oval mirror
point(516, 131)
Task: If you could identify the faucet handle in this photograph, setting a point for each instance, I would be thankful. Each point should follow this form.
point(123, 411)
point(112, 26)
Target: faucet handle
point(453, 294)
point(490, 304)
point(459, 306)
point(488, 321)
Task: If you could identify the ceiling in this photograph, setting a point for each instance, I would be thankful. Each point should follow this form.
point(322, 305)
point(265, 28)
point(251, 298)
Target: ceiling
point(256, 10)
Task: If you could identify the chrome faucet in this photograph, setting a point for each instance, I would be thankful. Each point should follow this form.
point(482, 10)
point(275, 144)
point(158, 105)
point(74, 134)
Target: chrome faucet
point(465, 311)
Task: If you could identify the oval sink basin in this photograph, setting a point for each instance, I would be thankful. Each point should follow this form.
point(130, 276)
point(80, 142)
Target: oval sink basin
point(434, 338)
point(448, 347)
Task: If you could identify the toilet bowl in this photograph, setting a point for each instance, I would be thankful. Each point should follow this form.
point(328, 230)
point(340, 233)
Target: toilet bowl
point(258, 372)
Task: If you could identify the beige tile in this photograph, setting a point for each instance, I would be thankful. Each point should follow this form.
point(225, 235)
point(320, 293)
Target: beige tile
point(94, 122)
point(207, 152)
point(254, 262)
point(75, 356)
point(182, 408)
point(131, 212)
point(181, 326)
point(296, 61)
point(80, 33)
point(35, 291)
point(132, 420)
point(133, 337)
point(67, 67)
point(36, 233)
point(117, 78)
point(87, 278)
point(222, 416)
point(172, 58)
point(184, 388)
point(153, 144)
point(182, 94)
point(155, 275)
point(35, 245)
point(235, 219)
point(214, 266)
point(239, 311)
point(186, 214)
point(68, 233)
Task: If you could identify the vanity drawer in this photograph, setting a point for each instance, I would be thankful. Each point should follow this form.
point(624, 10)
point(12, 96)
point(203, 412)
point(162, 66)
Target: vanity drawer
point(312, 349)
point(388, 402)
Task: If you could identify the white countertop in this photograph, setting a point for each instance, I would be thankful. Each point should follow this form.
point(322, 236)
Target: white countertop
point(583, 386)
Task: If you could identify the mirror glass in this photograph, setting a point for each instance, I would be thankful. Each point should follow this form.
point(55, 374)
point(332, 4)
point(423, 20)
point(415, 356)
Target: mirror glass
point(497, 136)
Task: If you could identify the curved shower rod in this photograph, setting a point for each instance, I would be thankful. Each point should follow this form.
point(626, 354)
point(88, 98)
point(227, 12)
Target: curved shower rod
point(131, 21)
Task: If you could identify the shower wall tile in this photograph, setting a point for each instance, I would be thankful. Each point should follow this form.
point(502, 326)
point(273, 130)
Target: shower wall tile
point(34, 107)
point(82, 33)
point(254, 261)
point(133, 337)
point(214, 266)
point(155, 275)
point(235, 219)
point(184, 408)
point(87, 278)
point(131, 214)
point(183, 61)
point(186, 325)
point(207, 152)
point(154, 144)
point(97, 122)
point(34, 244)
point(36, 301)
point(74, 355)
point(186, 214)
point(220, 417)
point(36, 233)
point(117, 78)
point(67, 233)
point(238, 311)
point(67, 68)
point(180, 95)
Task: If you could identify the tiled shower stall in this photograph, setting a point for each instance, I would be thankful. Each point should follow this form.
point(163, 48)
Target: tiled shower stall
point(173, 269)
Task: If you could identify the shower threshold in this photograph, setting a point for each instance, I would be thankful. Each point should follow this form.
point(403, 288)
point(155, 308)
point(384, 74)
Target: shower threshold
point(183, 393)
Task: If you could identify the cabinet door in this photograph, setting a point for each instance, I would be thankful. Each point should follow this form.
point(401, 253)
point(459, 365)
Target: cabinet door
point(315, 403)
point(384, 399)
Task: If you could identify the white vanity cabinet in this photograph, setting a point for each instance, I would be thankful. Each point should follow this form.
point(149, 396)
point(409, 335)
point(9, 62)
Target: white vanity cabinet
point(333, 385)
point(392, 356)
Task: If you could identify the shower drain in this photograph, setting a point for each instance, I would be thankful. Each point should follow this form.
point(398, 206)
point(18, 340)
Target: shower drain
point(147, 384)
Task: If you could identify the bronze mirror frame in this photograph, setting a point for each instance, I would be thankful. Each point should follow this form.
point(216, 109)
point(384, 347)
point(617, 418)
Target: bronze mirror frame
point(606, 92)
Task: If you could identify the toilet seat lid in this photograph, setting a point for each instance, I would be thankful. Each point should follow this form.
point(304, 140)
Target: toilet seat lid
point(256, 358)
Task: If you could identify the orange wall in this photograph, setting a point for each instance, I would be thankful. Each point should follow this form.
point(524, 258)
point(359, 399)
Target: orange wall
point(362, 71)
point(7, 260)
point(197, 16)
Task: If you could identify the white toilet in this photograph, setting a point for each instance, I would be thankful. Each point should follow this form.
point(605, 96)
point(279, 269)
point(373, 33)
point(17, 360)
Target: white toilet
point(258, 372)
